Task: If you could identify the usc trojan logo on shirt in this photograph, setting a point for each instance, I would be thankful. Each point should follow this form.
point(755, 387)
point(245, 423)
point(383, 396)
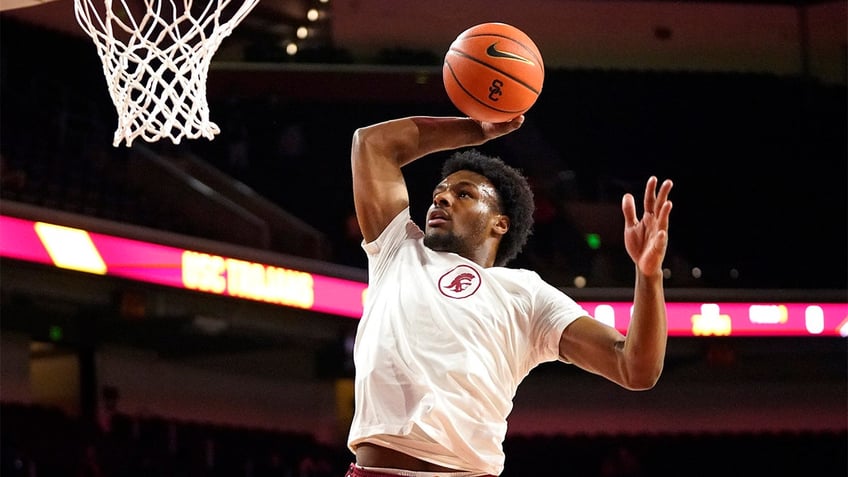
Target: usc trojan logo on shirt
point(461, 282)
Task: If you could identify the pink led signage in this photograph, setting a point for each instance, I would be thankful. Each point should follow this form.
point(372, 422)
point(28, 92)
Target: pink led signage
point(91, 252)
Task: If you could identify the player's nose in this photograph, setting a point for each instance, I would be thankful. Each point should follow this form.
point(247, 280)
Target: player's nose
point(441, 199)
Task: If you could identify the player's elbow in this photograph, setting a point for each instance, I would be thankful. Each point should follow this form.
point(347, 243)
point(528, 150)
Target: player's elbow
point(645, 385)
point(395, 139)
point(642, 379)
point(361, 138)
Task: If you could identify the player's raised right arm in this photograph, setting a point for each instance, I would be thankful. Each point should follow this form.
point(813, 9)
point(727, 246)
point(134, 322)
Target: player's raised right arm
point(379, 151)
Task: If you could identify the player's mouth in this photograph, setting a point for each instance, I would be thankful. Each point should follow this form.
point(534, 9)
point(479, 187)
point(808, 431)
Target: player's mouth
point(437, 218)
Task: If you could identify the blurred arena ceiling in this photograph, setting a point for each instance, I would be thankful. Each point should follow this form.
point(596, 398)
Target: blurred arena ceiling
point(729, 35)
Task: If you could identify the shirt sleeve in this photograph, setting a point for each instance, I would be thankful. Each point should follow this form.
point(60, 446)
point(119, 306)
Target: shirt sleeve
point(554, 312)
point(397, 230)
point(381, 251)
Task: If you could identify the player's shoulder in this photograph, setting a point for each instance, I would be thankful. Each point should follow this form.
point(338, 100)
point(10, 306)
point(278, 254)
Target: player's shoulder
point(519, 275)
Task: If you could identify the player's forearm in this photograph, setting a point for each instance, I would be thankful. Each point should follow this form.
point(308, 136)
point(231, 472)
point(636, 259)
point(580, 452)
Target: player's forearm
point(404, 140)
point(446, 133)
point(647, 335)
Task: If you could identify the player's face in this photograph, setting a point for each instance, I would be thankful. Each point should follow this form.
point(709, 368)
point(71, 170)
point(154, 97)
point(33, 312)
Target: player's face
point(464, 209)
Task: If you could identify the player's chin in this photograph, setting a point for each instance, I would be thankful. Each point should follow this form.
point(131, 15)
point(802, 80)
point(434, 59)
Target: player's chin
point(438, 239)
point(433, 230)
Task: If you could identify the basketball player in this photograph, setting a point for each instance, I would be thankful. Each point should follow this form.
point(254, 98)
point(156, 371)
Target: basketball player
point(448, 332)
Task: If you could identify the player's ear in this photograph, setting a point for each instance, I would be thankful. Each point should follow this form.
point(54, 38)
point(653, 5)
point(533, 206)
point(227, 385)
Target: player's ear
point(501, 225)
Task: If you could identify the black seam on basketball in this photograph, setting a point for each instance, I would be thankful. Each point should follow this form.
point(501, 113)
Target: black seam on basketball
point(517, 80)
point(471, 95)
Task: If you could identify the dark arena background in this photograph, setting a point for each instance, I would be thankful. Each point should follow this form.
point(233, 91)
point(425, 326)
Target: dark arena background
point(127, 370)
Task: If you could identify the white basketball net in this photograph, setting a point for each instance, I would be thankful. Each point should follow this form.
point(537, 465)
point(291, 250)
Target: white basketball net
point(156, 57)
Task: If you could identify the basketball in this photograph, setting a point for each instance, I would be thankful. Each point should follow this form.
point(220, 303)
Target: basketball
point(493, 72)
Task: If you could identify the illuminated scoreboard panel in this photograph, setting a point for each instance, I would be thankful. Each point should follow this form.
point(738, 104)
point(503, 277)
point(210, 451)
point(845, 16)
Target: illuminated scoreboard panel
point(90, 252)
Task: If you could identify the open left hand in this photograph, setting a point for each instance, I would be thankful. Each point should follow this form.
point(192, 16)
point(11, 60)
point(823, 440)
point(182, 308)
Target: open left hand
point(646, 240)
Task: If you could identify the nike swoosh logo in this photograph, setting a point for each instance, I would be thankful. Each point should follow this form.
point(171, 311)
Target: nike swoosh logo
point(496, 53)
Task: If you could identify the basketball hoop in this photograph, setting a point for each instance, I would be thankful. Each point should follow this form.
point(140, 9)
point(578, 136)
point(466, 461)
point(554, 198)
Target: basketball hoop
point(156, 60)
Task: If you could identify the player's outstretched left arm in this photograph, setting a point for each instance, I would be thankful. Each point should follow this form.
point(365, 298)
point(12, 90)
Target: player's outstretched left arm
point(634, 361)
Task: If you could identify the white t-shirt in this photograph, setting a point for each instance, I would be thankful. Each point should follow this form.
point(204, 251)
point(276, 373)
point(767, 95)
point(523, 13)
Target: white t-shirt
point(442, 346)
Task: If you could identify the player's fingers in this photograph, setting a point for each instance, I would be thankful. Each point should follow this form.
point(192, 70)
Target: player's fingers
point(650, 195)
point(628, 209)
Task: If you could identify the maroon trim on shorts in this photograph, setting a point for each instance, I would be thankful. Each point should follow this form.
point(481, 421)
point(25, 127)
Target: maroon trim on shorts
point(354, 471)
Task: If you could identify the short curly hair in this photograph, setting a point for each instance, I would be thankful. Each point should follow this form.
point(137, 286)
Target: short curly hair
point(514, 195)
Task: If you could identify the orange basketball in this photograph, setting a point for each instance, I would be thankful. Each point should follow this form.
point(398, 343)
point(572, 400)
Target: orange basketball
point(493, 72)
